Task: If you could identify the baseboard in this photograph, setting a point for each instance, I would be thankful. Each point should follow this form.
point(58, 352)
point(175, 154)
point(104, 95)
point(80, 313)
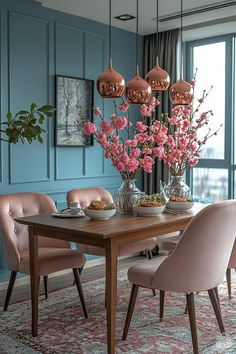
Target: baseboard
point(92, 263)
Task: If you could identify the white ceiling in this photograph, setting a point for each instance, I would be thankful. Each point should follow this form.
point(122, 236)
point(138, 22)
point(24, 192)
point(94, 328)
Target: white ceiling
point(97, 10)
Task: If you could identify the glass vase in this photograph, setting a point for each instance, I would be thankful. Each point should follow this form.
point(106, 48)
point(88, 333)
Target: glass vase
point(177, 187)
point(127, 196)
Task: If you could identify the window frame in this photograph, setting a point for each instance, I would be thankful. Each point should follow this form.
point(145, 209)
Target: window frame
point(229, 136)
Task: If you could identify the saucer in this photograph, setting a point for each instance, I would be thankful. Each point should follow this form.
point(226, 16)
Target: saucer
point(68, 215)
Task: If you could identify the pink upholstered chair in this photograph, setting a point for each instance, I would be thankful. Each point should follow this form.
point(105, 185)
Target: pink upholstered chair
point(232, 264)
point(54, 255)
point(198, 263)
point(84, 196)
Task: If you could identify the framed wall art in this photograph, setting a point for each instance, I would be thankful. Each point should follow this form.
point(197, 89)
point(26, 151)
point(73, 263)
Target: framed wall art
point(74, 106)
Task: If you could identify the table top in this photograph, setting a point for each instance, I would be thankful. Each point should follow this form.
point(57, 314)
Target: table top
point(118, 225)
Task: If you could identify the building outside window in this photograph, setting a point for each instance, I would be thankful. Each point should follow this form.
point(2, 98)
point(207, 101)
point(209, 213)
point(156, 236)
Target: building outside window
point(214, 178)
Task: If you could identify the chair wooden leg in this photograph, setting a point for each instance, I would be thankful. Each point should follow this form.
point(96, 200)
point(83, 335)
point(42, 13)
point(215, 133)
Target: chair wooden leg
point(149, 256)
point(215, 305)
point(192, 320)
point(217, 296)
point(132, 301)
point(162, 302)
point(80, 291)
point(45, 283)
point(80, 270)
point(228, 278)
point(9, 289)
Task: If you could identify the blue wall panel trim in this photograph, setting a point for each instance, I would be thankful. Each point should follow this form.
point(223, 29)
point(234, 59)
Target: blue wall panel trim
point(36, 44)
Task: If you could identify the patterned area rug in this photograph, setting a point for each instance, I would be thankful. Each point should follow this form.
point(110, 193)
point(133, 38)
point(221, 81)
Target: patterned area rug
point(63, 329)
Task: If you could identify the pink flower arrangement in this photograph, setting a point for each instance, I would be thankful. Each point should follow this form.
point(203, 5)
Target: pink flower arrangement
point(135, 152)
point(183, 146)
point(174, 139)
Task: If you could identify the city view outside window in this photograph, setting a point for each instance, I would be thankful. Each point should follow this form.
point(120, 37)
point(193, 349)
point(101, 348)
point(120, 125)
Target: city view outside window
point(214, 178)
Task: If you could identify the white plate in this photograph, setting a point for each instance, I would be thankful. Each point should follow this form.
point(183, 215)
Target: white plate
point(68, 215)
point(179, 205)
point(149, 211)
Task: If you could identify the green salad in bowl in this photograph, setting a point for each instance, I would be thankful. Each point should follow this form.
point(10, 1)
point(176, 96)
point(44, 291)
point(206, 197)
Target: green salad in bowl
point(150, 205)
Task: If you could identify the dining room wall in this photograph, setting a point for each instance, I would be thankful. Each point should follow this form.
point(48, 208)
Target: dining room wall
point(37, 44)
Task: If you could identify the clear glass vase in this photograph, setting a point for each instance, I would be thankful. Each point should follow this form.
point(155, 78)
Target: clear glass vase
point(177, 187)
point(127, 196)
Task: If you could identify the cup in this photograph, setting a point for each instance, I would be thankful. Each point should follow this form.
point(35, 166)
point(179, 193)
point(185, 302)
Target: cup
point(74, 208)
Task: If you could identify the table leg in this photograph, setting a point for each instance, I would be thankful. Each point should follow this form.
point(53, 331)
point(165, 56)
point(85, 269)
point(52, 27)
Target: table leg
point(111, 293)
point(34, 279)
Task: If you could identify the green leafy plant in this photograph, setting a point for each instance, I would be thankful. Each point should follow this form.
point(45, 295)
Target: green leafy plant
point(26, 126)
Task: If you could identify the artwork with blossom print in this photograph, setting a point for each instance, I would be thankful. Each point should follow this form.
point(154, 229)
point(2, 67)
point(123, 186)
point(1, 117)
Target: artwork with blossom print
point(74, 108)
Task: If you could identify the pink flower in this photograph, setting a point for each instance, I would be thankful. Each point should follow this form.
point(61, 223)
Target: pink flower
point(124, 158)
point(120, 123)
point(124, 107)
point(147, 151)
point(115, 139)
point(132, 165)
point(148, 167)
point(135, 153)
point(141, 127)
point(106, 128)
point(142, 137)
point(89, 128)
point(192, 162)
point(98, 111)
point(158, 151)
point(107, 155)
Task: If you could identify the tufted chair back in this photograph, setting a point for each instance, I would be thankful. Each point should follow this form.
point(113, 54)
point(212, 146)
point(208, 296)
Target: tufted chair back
point(201, 257)
point(15, 235)
point(84, 196)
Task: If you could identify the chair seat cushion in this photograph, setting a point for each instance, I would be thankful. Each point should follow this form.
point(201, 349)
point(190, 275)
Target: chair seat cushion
point(143, 272)
point(52, 260)
point(134, 247)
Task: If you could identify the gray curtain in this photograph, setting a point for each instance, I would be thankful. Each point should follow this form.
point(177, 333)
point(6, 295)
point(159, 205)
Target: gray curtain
point(168, 60)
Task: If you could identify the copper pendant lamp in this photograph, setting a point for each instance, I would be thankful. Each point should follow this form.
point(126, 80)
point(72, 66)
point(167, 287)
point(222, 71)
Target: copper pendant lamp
point(110, 84)
point(137, 89)
point(181, 93)
point(158, 78)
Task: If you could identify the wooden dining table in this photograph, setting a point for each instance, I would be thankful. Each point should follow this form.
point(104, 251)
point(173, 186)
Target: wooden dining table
point(109, 234)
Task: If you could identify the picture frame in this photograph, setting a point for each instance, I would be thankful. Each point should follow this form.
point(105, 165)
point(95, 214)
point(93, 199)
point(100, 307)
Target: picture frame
point(74, 106)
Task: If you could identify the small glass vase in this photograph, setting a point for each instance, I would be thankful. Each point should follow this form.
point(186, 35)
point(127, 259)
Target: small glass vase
point(127, 196)
point(177, 187)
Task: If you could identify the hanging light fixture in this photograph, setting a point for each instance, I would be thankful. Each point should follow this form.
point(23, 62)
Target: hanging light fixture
point(181, 92)
point(158, 78)
point(137, 89)
point(110, 84)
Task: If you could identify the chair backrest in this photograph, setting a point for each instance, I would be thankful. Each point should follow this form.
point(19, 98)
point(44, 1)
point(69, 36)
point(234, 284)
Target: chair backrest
point(15, 235)
point(84, 196)
point(200, 260)
point(232, 260)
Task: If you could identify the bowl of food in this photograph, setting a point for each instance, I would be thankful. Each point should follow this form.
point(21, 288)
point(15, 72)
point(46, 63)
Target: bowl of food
point(179, 203)
point(99, 210)
point(150, 205)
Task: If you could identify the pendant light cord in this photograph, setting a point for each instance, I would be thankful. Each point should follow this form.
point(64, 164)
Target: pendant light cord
point(181, 39)
point(137, 44)
point(109, 29)
point(157, 29)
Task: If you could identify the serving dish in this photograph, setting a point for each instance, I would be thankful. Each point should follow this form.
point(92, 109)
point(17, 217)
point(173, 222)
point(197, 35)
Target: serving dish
point(103, 214)
point(149, 211)
point(180, 205)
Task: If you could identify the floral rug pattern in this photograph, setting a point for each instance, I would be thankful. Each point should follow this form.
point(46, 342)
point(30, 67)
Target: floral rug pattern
point(64, 330)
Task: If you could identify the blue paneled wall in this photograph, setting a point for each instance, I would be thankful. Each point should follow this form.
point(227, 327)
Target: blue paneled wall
point(36, 44)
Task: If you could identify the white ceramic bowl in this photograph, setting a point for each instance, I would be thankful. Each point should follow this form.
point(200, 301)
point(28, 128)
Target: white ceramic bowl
point(99, 214)
point(149, 211)
point(179, 205)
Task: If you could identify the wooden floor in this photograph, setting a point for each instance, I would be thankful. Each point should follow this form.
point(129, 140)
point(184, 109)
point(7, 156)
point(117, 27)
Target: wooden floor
point(22, 292)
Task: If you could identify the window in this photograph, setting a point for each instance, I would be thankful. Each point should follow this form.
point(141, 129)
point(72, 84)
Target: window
point(214, 177)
